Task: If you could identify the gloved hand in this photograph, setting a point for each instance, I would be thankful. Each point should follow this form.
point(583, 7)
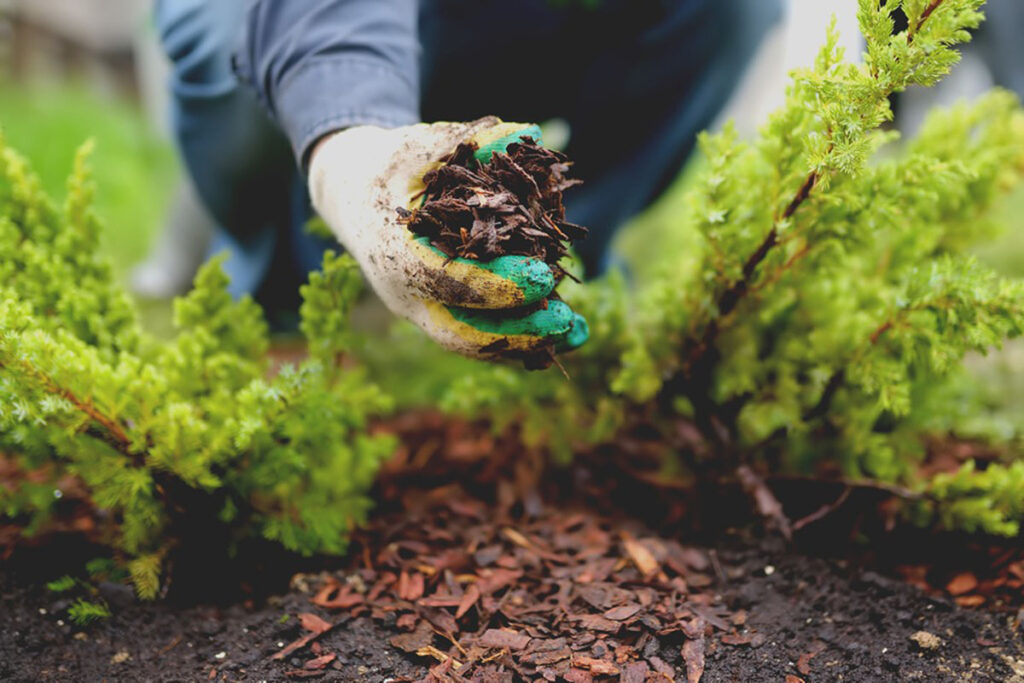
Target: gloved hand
point(358, 179)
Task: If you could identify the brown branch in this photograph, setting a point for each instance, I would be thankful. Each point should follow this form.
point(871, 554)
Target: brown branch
point(915, 29)
point(894, 490)
point(112, 431)
point(768, 505)
point(882, 329)
point(696, 379)
point(823, 511)
point(731, 297)
point(802, 194)
point(775, 276)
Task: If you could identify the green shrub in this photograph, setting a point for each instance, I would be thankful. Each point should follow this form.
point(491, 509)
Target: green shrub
point(812, 307)
point(180, 434)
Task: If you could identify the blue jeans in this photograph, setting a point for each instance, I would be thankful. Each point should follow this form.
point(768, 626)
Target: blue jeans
point(635, 79)
point(239, 161)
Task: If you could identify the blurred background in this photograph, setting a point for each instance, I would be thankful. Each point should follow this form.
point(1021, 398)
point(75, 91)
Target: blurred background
point(77, 69)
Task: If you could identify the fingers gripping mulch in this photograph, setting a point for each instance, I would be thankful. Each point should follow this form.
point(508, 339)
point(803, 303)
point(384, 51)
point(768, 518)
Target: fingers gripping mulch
point(545, 595)
point(511, 205)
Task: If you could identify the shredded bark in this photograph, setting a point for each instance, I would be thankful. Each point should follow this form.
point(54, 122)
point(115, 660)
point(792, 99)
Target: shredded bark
point(533, 573)
point(510, 590)
point(511, 205)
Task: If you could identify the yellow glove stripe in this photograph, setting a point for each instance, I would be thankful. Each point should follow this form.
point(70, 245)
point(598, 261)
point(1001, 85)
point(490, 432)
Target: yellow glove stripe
point(478, 339)
point(464, 284)
point(502, 130)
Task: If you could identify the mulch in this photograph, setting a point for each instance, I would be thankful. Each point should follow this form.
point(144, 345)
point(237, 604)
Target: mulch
point(520, 572)
point(491, 595)
point(510, 205)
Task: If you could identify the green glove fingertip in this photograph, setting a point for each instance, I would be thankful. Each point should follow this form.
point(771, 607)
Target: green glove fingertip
point(548, 323)
point(577, 335)
point(532, 276)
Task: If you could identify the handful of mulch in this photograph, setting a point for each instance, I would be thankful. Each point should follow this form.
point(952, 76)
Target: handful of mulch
point(512, 205)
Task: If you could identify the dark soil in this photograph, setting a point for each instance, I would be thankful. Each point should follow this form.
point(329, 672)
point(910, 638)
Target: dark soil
point(790, 617)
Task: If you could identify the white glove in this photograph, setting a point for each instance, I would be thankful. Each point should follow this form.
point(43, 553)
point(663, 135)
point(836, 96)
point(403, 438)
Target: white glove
point(360, 177)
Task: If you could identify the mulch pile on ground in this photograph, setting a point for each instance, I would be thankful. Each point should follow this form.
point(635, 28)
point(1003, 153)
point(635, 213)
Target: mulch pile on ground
point(546, 596)
point(511, 205)
point(502, 583)
point(528, 573)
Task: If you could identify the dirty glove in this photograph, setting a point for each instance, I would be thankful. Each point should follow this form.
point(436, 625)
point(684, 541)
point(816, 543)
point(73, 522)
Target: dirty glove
point(360, 177)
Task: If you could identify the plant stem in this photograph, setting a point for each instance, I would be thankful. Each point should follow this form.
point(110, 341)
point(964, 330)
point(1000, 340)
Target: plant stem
point(694, 378)
point(731, 297)
point(835, 382)
point(110, 430)
point(913, 30)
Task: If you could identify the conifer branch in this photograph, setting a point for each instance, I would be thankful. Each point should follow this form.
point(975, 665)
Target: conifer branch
point(913, 30)
point(112, 432)
point(838, 377)
point(732, 296)
point(882, 329)
point(700, 352)
point(853, 484)
point(802, 194)
point(777, 274)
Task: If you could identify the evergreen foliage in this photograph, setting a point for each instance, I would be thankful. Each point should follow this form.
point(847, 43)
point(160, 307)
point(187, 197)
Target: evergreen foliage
point(62, 585)
point(813, 306)
point(163, 433)
point(84, 612)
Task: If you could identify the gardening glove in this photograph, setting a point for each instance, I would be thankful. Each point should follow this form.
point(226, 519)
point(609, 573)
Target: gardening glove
point(358, 180)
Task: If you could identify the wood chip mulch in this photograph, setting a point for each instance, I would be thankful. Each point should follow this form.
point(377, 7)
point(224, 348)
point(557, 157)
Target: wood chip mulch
point(529, 592)
point(510, 205)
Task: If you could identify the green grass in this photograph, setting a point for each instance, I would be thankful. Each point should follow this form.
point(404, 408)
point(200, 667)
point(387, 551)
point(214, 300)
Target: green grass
point(134, 170)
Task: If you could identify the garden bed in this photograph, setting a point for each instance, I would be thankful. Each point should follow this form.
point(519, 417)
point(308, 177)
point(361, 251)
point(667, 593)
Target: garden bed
point(576, 575)
point(793, 345)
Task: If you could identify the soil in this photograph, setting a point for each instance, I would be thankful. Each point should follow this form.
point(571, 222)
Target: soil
point(791, 617)
point(812, 619)
point(524, 573)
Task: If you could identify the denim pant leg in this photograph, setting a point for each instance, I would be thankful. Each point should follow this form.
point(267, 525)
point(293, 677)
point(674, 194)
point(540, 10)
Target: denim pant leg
point(241, 164)
point(640, 105)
